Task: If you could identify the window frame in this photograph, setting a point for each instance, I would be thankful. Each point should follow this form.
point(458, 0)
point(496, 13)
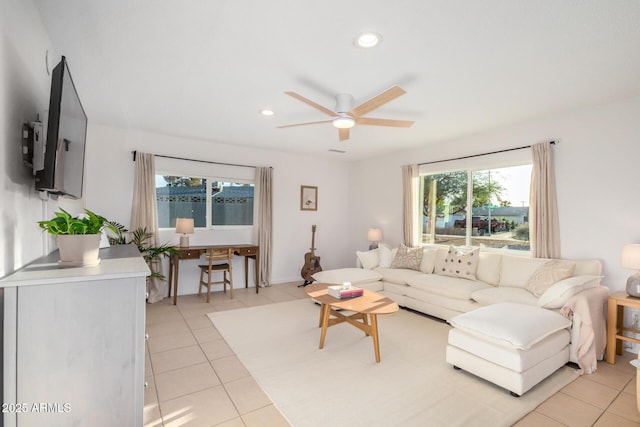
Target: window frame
point(209, 199)
point(210, 171)
point(470, 165)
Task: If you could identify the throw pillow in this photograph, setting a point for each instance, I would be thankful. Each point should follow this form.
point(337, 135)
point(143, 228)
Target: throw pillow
point(559, 293)
point(548, 274)
point(386, 255)
point(369, 259)
point(409, 258)
point(460, 263)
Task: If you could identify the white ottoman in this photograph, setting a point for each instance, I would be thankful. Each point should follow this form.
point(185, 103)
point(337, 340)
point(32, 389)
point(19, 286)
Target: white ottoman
point(512, 345)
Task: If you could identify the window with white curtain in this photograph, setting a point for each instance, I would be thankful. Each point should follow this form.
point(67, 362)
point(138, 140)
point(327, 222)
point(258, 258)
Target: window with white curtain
point(482, 201)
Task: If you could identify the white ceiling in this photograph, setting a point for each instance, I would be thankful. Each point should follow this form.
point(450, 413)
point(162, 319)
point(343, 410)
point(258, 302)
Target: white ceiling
point(204, 68)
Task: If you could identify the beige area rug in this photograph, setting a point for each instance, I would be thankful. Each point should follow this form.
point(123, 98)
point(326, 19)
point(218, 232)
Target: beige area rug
point(342, 385)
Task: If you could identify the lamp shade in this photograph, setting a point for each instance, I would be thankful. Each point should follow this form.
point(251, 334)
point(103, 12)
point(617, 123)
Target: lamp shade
point(184, 225)
point(631, 256)
point(374, 235)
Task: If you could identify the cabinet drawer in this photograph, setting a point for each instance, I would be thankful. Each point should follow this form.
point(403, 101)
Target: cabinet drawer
point(194, 254)
point(247, 251)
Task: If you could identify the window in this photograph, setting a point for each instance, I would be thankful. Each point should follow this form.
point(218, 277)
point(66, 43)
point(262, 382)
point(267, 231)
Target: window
point(209, 201)
point(486, 207)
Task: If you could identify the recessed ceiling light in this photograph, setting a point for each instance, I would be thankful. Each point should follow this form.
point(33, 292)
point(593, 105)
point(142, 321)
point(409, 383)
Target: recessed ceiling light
point(266, 112)
point(368, 40)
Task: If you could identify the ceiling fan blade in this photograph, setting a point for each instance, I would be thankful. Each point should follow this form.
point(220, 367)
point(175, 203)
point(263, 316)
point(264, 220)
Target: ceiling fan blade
point(343, 134)
point(305, 124)
point(312, 104)
point(384, 122)
point(377, 101)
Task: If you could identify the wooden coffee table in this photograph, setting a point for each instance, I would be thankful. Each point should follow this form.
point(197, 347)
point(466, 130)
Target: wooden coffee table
point(365, 311)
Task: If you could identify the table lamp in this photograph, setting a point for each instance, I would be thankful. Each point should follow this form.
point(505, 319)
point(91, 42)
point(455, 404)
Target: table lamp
point(184, 226)
point(631, 259)
point(374, 236)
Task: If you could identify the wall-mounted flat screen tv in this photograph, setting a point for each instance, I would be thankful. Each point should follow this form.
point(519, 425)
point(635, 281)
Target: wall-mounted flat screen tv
point(63, 171)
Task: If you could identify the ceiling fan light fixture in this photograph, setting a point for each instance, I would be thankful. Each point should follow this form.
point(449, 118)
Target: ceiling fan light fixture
point(344, 122)
point(368, 40)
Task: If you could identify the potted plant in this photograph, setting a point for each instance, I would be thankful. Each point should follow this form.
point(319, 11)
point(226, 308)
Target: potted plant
point(78, 237)
point(140, 237)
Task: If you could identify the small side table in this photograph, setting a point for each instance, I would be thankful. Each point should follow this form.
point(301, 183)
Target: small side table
point(615, 323)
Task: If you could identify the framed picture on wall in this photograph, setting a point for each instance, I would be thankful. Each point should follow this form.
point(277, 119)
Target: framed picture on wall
point(308, 198)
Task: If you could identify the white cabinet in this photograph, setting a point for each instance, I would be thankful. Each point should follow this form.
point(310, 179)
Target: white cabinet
point(74, 342)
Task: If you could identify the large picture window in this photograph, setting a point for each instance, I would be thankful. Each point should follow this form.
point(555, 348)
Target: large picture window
point(209, 201)
point(486, 207)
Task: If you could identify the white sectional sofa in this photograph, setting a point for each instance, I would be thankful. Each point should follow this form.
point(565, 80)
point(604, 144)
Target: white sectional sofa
point(435, 286)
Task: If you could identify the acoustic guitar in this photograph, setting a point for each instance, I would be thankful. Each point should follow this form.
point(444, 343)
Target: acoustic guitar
point(311, 261)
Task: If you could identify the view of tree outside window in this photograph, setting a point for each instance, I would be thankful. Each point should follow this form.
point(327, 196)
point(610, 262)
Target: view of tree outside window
point(207, 200)
point(498, 208)
point(443, 194)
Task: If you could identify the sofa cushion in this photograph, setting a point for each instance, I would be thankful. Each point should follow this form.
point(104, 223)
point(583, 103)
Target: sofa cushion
point(386, 255)
point(436, 305)
point(515, 360)
point(588, 266)
point(407, 258)
point(558, 294)
point(399, 276)
point(511, 325)
point(452, 287)
point(547, 274)
point(516, 270)
point(461, 263)
point(489, 266)
point(369, 259)
point(494, 295)
point(428, 260)
point(352, 275)
point(441, 255)
point(376, 286)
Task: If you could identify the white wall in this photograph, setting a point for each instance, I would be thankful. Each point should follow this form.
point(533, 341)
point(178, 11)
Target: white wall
point(597, 175)
point(24, 93)
point(109, 182)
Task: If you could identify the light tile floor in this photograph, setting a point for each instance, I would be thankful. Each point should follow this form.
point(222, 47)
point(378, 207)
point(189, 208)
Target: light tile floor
point(194, 378)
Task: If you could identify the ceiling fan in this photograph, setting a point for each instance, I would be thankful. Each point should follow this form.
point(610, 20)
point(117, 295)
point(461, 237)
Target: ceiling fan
point(344, 117)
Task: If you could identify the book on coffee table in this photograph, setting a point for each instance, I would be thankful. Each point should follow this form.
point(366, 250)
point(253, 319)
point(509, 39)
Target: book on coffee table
point(339, 292)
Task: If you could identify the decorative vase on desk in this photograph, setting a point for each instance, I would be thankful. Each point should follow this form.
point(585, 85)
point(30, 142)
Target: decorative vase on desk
point(78, 237)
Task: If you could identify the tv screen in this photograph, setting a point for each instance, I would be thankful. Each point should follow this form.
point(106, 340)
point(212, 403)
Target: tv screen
point(66, 133)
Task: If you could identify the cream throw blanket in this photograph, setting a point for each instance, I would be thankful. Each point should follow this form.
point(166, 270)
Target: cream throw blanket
point(591, 308)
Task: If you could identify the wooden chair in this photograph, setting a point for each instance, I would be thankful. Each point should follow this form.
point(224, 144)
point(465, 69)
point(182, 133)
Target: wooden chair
point(213, 256)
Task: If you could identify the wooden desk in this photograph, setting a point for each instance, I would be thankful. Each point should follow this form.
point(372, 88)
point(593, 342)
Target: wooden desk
point(615, 324)
point(195, 252)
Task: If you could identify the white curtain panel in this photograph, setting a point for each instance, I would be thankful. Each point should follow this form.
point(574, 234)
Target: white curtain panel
point(144, 214)
point(263, 223)
point(410, 217)
point(544, 225)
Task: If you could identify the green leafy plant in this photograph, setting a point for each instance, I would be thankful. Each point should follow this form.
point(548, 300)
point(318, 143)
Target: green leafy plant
point(65, 223)
point(521, 232)
point(140, 237)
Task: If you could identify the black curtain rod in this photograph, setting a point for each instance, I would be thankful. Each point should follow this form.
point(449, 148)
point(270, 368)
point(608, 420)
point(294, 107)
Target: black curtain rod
point(478, 155)
point(194, 160)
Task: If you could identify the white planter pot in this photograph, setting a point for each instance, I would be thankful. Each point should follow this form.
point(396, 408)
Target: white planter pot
point(78, 250)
